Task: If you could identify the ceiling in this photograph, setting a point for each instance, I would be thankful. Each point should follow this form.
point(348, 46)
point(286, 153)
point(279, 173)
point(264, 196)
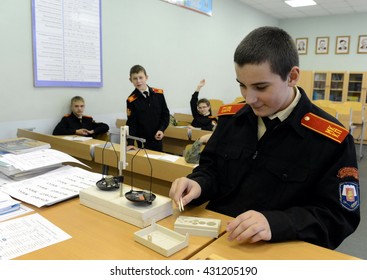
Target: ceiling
point(280, 10)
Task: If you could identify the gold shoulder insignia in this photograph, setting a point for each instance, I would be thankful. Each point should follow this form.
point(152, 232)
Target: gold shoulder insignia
point(87, 116)
point(230, 109)
point(324, 127)
point(132, 97)
point(67, 115)
point(157, 90)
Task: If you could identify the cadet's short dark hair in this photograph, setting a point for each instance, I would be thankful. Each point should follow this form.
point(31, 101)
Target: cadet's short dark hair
point(75, 99)
point(268, 44)
point(203, 100)
point(136, 69)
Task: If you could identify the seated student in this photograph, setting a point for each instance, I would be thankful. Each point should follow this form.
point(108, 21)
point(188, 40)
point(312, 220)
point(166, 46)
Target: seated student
point(79, 124)
point(201, 111)
point(193, 151)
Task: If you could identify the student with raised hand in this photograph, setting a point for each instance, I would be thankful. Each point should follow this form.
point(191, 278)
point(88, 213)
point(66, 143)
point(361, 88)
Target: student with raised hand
point(78, 123)
point(147, 112)
point(294, 180)
point(201, 111)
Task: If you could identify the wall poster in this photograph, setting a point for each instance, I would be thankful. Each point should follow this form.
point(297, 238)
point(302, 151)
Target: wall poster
point(201, 6)
point(67, 45)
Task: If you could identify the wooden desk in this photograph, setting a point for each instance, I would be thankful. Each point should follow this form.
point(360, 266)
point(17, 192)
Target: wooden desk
point(97, 236)
point(176, 138)
point(81, 150)
point(293, 250)
point(164, 172)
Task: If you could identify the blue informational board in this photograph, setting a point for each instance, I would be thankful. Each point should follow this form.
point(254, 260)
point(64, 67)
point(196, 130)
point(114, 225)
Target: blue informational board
point(201, 6)
point(67, 43)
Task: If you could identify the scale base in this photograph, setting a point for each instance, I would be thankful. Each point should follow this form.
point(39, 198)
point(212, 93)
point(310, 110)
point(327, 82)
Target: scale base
point(138, 214)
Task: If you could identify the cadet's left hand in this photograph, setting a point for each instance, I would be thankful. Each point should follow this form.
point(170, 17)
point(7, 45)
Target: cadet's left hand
point(159, 135)
point(251, 226)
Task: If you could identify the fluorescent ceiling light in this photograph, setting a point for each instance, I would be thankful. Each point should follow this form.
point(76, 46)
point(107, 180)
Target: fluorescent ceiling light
point(300, 3)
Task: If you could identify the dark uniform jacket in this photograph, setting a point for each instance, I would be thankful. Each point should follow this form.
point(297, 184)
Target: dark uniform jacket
point(70, 123)
point(303, 181)
point(204, 122)
point(145, 116)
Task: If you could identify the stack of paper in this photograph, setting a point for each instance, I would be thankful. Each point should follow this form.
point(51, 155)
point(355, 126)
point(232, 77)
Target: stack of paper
point(22, 145)
point(33, 162)
point(52, 187)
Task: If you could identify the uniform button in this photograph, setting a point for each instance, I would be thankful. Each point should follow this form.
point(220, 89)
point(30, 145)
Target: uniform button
point(307, 118)
point(284, 177)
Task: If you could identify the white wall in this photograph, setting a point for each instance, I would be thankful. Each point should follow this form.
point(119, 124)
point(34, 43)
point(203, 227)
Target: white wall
point(177, 46)
point(331, 26)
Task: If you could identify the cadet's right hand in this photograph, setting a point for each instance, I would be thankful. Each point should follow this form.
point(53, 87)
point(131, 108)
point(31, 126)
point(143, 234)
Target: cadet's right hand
point(200, 85)
point(184, 188)
point(131, 148)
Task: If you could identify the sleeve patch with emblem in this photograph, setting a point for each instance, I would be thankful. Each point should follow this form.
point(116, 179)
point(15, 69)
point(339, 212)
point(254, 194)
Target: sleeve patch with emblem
point(349, 196)
point(348, 172)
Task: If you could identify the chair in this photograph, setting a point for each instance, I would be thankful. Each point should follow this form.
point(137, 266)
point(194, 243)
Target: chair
point(238, 99)
point(323, 102)
point(358, 124)
point(214, 105)
point(330, 111)
point(183, 119)
point(352, 116)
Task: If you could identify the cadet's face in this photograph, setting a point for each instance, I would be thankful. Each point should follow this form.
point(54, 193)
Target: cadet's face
point(263, 90)
point(203, 109)
point(77, 108)
point(139, 80)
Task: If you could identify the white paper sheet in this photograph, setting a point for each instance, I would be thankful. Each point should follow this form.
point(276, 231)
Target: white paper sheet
point(27, 234)
point(52, 187)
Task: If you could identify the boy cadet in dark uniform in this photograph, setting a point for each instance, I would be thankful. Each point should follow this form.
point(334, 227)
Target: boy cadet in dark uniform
point(201, 111)
point(79, 124)
point(297, 180)
point(147, 112)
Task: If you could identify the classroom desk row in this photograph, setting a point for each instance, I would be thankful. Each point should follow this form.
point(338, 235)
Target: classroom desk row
point(96, 235)
point(175, 137)
point(94, 154)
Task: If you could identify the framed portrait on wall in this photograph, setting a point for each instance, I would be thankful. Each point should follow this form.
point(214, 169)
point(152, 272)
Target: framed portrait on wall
point(362, 44)
point(322, 45)
point(302, 44)
point(342, 44)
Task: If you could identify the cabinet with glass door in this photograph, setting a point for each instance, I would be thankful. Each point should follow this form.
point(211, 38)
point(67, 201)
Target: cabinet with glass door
point(356, 87)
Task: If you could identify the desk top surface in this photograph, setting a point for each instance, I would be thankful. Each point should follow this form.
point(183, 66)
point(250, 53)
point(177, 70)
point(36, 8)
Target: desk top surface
point(96, 235)
point(222, 249)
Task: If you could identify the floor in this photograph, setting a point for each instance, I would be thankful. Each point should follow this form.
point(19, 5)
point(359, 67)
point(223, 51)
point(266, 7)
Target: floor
point(356, 244)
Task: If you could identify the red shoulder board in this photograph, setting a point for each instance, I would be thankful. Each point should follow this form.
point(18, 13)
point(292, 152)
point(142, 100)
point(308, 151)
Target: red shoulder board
point(132, 98)
point(230, 109)
point(324, 127)
point(157, 90)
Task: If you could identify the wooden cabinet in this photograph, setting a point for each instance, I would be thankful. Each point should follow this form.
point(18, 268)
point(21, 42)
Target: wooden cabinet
point(329, 86)
point(336, 86)
point(356, 90)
